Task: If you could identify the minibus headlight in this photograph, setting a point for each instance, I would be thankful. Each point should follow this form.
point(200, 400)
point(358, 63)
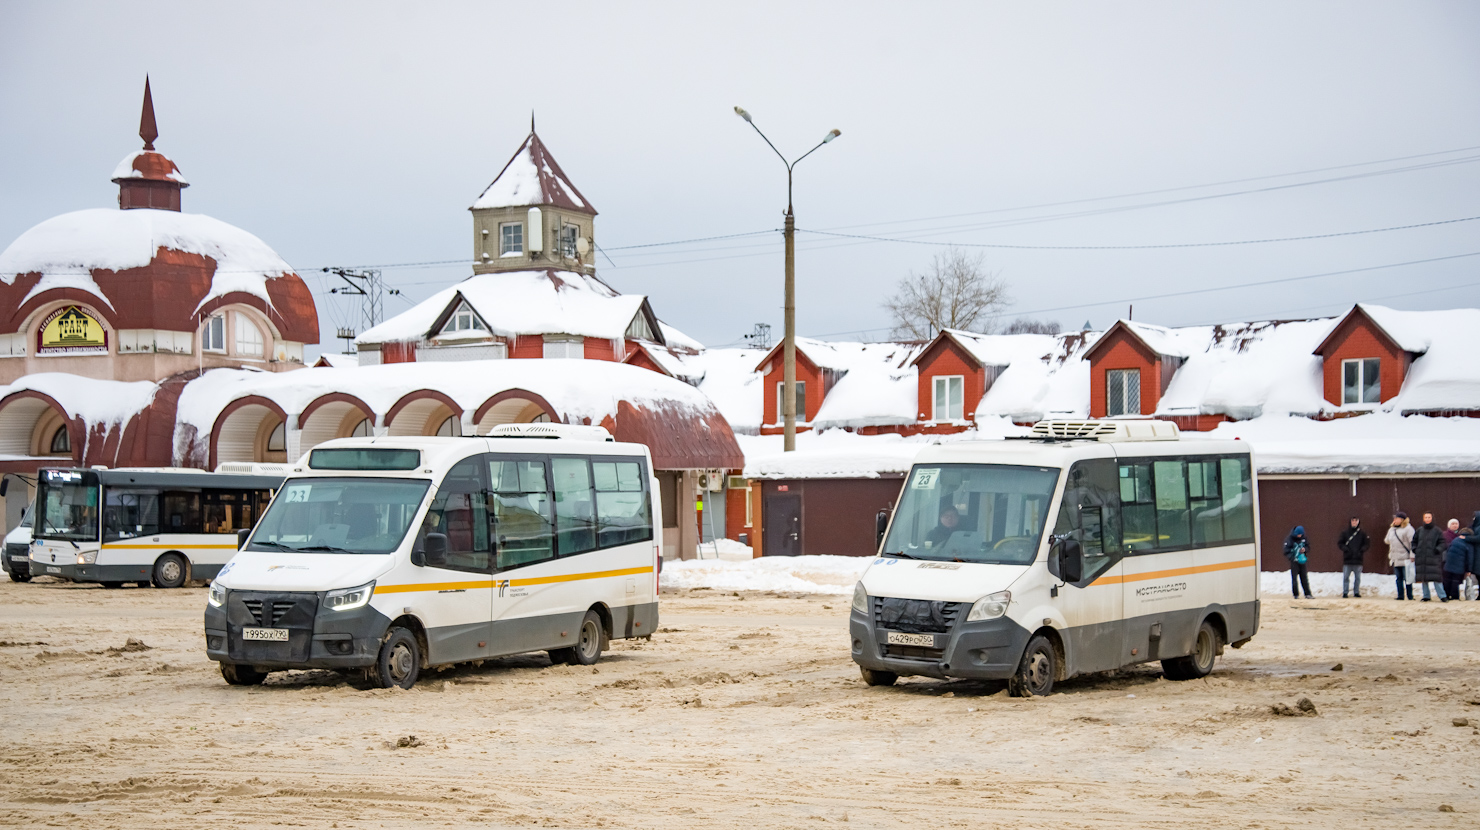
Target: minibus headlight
point(990, 607)
point(860, 599)
point(346, 598)
point(217, 596)
point(87, 558)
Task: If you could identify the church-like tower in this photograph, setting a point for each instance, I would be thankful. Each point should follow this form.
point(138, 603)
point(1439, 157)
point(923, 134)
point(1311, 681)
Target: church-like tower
point(146, 178)
point(532, 217)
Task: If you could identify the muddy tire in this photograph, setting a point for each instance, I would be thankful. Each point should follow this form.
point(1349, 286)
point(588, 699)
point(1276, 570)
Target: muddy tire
point(237, 675)
point(1200, 662)
point(399, 661)
point(15, 577)
point(878, 677)
point(590, 640)
point(1037, 671)
point(170, 571)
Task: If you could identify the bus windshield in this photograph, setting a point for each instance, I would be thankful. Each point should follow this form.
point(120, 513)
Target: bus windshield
point(67, 506)
point(340, 515)
point(987, 513)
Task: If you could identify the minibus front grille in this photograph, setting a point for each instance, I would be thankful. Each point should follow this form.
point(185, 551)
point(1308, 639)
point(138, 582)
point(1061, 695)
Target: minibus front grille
point(270, 612)
point(914, 652)
point(918, 616)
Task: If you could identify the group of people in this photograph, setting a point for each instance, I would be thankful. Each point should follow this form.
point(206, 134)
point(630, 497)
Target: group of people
point(1427, 555)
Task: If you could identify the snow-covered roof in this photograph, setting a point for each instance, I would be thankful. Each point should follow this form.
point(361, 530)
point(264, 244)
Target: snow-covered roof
point(1411, 330)
point(532, 177)
point(836, 453)
point(879, 388)
point(1247, 369)
point(677, 339)
point(730, 380)
point(522, 302)
point(66, 249)
point(1046, 376)
point(147, 164)
point(1382, 442)
point(335, 360)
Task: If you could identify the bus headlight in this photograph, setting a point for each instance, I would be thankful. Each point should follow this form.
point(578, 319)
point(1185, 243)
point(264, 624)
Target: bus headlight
point(990, 607)
point(860, 599)
point(346, 598)
point(217, 596)
point(87, 557)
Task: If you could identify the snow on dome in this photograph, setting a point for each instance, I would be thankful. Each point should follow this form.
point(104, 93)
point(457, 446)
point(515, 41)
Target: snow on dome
point(66, 249)
point(532, 177)
point(522, 302)
point(147, 164)
point(90, 400)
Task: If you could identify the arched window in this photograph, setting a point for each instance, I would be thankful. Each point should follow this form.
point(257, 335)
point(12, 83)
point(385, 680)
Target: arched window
point(61, 441)
point(248, 336)
point(278, 440)
point(447, 427)
point(542, 418)
point(362, 429)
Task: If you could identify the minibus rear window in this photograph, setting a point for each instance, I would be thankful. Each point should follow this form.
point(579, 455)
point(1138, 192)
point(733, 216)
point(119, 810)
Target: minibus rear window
point(376, 459)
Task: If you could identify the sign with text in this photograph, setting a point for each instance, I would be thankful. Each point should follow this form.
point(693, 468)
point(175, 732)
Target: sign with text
point(71, 331)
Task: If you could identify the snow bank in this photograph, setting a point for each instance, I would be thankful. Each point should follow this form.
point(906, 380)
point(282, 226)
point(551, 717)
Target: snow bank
point(1277, 583)
point(795, 574)
point(66, 249)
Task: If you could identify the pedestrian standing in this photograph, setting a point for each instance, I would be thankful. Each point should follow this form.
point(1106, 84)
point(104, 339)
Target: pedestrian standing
point(1354, 543)
point(1297, 550)
point(1428, 558)
point(1400, 553)
point(1462, 557)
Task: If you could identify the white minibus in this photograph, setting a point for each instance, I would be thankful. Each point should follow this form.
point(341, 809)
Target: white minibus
point(394, 554)
point(163, 527)
point(1089, 546)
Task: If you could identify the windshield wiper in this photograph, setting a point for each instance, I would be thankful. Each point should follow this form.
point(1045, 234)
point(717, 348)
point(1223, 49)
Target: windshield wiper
point(900, 554)
point(278, 545)
point(323, 549)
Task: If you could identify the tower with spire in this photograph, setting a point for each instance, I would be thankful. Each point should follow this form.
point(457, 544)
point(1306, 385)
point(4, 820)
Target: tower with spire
point(146, 178)
point(532, 217)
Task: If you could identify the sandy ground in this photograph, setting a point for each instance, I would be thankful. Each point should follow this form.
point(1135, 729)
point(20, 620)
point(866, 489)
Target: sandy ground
point(744, 711)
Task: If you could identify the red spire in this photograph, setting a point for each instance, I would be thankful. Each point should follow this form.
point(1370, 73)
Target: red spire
point(147, 129)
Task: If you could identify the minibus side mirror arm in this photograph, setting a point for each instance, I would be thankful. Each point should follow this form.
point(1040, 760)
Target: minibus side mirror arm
point(881, 524)
point(241, 537)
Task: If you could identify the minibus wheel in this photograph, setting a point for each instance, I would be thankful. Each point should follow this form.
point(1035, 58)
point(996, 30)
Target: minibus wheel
point(878, 677)
point(1199, 663)
point(399, 661)
point(1035, 674)
point(589, 642)
point(170, 571)
point(15, 577)
point(236, 675)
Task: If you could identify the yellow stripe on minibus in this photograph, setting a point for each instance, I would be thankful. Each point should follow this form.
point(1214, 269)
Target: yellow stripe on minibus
point(489, 583)
point(171, 547)
point(1200, 569)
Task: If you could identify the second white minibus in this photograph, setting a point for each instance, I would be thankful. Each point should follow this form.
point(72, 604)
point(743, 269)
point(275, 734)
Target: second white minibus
point(1090, 546)
point(391, 555)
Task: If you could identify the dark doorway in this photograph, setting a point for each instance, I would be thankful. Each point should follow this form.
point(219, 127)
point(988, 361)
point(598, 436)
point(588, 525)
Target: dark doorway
point(783, 525)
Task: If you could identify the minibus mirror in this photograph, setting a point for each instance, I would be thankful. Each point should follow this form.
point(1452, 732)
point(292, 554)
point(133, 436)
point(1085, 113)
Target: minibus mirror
point(4, 486)
point(435, 549)
point(418, 557)
point(881, 524)
point(241, 537)
point(1071, 560)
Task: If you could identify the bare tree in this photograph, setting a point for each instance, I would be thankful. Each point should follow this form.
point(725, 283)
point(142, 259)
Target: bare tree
point(1027, 325)
point(956, 292)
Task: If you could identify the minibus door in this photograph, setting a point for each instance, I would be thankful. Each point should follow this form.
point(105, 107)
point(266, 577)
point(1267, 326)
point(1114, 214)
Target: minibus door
point(1093, 607)
point(458, 625)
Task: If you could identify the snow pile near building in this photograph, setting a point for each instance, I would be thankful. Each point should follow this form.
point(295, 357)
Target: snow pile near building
point(1328, 584)
point(730, 380)
point(1381, 442)
point(837, 453)
point(791, 574)
point(66, 249)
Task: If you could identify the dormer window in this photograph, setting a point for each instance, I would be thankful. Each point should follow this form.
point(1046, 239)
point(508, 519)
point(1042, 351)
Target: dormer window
point(462, 320)
point(1361, 381)
point(1122, 392)
point(511, 239)
point(949, 397)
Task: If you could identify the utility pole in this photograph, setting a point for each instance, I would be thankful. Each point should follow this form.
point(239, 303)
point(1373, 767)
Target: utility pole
point(789, 339)
point(368, 286)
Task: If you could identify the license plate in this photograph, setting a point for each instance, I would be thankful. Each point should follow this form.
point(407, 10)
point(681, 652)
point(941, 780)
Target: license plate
point(279, 635)
point(51, 570)
point(20, 558)
point(898, 638)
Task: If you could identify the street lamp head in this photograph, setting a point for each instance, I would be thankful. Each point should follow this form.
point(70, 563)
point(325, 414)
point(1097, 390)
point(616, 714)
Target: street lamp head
point(832, 135)
point(743, 114)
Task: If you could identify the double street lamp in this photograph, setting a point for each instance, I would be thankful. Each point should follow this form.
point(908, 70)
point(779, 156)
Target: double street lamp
point(789, 342)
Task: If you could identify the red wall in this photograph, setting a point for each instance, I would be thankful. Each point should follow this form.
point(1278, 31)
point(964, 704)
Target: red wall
point(946, 358)
point(598, 348)
point(806, 371)
point(397, 352)
point(1120, 350)
point(527, 345)
point(1353, 339)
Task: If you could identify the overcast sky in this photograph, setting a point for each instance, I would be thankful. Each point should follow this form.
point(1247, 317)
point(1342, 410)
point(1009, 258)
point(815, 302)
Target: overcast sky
point(359, 133)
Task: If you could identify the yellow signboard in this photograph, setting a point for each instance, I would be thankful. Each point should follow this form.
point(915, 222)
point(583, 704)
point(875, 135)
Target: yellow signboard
point(70, 330)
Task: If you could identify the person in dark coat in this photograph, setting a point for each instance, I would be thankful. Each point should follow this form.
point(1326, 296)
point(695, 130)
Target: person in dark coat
point(1462, 557)
point(1428, 557)
point(1297, 550)
point(1354, 543)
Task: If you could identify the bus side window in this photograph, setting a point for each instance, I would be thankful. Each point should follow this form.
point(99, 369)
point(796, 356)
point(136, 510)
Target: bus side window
point(1090, 512)
point(180, 513)
point(1172, 527)
point(622, 512)
point(1238, 499)
point(1137, 510)
point(1207, 506)
point(459, 511)
point(519, 497)
point(575, 509)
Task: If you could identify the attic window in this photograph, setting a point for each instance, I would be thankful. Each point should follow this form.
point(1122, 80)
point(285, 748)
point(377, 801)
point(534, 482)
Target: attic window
point(462, 320)
point(949, 397)
point(639, 329)
point(511, 239)
point(1361, 381)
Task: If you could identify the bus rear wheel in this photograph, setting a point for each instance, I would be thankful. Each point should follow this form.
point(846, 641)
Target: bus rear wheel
point(589, 642)
point(170, 571)
point(1037, 671)
point(237, 675)
point(1199, 663)
point(878, 677)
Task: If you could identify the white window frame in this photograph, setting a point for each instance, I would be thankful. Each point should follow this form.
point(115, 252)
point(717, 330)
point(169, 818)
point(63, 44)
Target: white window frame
point(508, 246)
point(1121, 388)
point(564, 348)
point(801, 401)
point(213, 334)
point(946, 406)
point(244, 347)
point(464, 319)
point(1362, 364)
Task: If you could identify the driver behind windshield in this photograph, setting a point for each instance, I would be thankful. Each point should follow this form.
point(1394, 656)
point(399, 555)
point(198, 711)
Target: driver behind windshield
point(950, 521)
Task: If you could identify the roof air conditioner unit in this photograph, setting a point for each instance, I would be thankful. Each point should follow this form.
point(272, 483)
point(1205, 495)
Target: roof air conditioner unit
point(1143, 430)
point(569, 432)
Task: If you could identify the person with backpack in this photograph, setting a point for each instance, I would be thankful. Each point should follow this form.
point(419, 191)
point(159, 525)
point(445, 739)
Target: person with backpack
point(1428, 558)
point(1400, 553)
point(1297, 550)
point(1354, 543)
point(1462, 557)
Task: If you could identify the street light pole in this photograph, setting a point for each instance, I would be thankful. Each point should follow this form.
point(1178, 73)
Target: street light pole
point(789, 340)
